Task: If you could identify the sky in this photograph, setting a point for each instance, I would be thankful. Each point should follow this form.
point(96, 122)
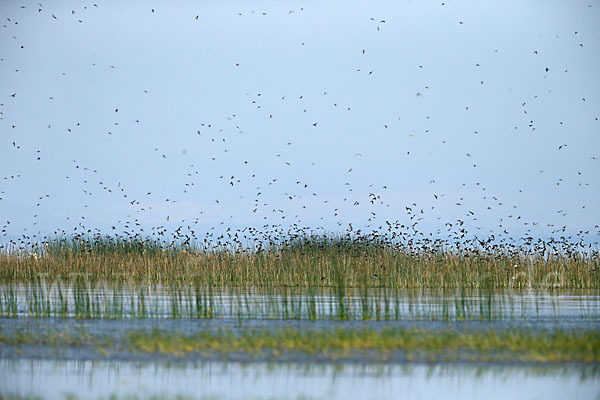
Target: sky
point(221, 114)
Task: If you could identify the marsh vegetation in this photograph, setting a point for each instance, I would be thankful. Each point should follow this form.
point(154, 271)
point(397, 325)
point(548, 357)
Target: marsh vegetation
point(369, 277)
point(308, 261)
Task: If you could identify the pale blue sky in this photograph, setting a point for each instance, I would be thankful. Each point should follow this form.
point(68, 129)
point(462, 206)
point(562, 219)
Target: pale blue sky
point(422, 98)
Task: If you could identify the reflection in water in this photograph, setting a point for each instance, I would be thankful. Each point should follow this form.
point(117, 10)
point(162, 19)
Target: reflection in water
point(102, 301)
point(96, 379)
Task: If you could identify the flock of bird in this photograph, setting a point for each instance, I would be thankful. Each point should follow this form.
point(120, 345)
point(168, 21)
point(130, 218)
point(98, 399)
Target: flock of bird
point(277, 205)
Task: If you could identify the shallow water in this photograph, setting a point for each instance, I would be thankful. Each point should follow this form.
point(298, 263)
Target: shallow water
point(53, 372)
point(103, 301)
point(220, 380)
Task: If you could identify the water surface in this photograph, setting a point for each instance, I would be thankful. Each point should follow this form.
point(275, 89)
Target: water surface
point(222, 380)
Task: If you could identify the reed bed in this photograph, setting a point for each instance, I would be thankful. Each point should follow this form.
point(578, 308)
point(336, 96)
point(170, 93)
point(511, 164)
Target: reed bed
point(347, 261)
point(295, 276)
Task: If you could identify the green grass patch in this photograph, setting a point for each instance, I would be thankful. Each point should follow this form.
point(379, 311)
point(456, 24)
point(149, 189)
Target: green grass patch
point(524, 346)
point(387, 344)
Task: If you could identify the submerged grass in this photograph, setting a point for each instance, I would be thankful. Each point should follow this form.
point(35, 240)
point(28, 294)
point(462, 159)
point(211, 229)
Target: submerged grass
point(524, 346)
point(387, 344)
